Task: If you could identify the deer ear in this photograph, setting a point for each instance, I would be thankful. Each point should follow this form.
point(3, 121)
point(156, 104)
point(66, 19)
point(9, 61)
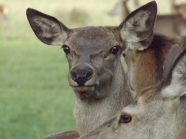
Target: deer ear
point(175, 82)
point(171, 57)
point(137, 29)
point(47, 28)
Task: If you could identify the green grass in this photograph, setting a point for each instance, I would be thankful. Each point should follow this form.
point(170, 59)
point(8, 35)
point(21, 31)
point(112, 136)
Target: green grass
point(35, 98)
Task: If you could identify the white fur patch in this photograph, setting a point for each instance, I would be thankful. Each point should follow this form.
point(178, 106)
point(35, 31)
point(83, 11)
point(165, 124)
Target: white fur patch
point(136, 46)
point(173, 92)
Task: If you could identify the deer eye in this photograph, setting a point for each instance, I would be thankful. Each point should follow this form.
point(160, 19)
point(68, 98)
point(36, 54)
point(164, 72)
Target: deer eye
point(125, 119)
point(114, 50)
point(66, 49)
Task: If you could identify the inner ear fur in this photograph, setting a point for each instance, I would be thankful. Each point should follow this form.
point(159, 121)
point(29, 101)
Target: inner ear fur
point(176, 72)
point(137, 29)
point(48, 29)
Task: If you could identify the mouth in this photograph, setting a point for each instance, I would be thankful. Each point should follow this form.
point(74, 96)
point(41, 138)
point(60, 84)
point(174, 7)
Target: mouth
point(86, 91)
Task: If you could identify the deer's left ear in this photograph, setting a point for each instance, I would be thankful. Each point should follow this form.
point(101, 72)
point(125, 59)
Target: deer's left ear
point(137, 29)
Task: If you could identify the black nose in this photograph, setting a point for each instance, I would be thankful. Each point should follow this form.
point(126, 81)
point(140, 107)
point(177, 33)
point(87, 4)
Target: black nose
point(81, 76)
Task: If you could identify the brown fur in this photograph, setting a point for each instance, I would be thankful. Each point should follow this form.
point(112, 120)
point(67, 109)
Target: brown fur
point(147, 66)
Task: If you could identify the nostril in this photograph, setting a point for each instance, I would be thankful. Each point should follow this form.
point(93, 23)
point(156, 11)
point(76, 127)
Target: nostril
point(74, 74)
point(89, 74)
point(81, 76)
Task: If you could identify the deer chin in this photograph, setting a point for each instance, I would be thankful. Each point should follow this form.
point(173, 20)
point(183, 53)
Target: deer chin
point(86, 91)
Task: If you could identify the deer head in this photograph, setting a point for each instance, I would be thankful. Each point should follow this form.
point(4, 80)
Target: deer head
point(93, 53)
point(159, 111)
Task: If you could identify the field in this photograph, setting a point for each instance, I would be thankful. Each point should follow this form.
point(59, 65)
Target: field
point(35, 98)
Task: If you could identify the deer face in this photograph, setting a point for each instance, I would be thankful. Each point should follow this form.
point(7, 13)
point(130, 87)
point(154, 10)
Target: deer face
point(92, 54)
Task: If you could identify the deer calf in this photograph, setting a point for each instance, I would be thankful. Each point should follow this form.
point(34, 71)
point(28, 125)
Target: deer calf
point(159, 111)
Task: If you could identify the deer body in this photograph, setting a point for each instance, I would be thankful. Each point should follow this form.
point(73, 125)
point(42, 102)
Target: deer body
point(95, 70)
point(173, 25)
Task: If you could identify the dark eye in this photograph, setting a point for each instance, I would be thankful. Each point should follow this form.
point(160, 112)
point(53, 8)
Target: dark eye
point(114, 50)
point(125, 119)
point(66, 49)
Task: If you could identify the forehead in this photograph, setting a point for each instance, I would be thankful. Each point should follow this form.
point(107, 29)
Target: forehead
point(91, 37)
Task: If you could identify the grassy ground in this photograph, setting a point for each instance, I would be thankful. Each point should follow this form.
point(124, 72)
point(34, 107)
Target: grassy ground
point(35, 98)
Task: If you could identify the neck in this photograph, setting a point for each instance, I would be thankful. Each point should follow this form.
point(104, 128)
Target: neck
point(91, 114)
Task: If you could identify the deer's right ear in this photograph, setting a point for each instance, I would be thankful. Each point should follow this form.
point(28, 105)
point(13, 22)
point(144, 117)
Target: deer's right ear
point(137, 29)
point(47, 28)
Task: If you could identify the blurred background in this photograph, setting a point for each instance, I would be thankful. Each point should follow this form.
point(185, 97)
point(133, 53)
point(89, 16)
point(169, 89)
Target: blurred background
point(35, 98)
